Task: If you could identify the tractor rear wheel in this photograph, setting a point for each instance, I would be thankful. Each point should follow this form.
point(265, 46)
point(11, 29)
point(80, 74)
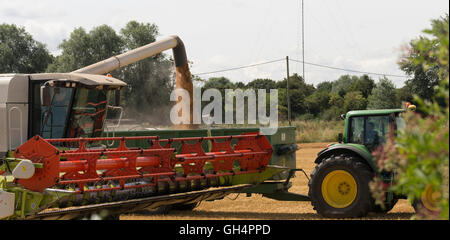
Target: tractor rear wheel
point(339, 187)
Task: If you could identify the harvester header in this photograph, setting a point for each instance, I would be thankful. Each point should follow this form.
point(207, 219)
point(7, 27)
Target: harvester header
point(83, 174)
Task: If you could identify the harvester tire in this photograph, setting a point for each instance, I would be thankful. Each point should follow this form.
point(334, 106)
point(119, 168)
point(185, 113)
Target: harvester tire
point(339, 187)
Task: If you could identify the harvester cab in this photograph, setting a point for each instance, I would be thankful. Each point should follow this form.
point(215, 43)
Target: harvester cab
point(54, 105)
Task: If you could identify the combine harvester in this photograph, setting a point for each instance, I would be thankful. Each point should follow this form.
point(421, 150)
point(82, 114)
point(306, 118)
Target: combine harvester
point(58, 163)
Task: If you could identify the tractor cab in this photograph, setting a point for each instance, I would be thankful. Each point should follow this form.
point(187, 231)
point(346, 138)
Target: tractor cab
point(371, 128)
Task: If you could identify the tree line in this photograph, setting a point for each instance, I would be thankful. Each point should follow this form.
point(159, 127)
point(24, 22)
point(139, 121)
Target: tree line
point(150, 81)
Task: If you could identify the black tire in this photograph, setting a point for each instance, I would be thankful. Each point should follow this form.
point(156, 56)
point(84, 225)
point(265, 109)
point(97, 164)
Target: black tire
point(362, 202)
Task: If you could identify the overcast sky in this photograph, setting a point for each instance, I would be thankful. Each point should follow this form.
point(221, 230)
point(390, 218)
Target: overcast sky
point(219, 34)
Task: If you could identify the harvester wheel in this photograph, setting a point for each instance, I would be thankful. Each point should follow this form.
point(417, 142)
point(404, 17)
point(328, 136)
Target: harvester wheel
point(339, 187)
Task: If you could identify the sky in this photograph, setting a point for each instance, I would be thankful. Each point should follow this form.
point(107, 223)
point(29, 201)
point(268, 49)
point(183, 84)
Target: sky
point(359, 35)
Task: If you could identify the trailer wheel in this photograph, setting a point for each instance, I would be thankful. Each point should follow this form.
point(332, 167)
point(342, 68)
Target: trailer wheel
point(339, 187)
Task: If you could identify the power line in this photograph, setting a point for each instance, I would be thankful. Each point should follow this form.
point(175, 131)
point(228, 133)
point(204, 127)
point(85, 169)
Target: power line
point(349, 70)
point(308, 63)
point(303, 40)
point(236, 68)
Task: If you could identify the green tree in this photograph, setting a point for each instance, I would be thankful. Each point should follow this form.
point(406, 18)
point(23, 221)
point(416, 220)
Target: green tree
point(220, 83)
point(364, 84)
point(420, 152)
point(20, 53)
point(383, 95)
point(343, 84)
point(83, 49)
point(317, 102)
point(262, 84)
point(354, 101)
point(298, 91)
point(404, 94)
point(149, 81)
point(425, 76)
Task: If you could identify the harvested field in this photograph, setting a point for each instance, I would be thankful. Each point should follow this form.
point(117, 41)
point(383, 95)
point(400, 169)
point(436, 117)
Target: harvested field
point(240, 207)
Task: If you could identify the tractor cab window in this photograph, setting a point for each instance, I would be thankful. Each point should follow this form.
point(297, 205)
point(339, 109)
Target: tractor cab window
point(400, 123)
point(88, 113)
point(357, 128)
point(370, 131)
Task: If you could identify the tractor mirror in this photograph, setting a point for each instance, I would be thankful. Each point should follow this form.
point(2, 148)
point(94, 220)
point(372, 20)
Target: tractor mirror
point(45, 96)
point(117, 98)
point(340, 137)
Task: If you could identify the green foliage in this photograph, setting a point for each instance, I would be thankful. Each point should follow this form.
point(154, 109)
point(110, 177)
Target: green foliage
point(426, 61)
point(83, 49)
point(354, 101)
point(347, 83)
point(298, 91)
point(220, 83)
point(383, 96)
point(20, 53)
point(420, 152)
point(262, 84)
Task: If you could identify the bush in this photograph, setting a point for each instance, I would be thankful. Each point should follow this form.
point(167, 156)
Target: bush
point(419, 154)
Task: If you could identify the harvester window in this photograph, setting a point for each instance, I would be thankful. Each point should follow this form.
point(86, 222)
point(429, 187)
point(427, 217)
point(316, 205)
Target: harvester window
point(88, 113)
point(52, 118)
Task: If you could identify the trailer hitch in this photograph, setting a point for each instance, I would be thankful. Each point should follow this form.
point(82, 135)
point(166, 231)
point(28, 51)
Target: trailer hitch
point(291, 174)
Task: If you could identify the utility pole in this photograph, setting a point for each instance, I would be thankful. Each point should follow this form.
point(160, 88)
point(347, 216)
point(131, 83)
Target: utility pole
point(303, 40)
point(287, 91)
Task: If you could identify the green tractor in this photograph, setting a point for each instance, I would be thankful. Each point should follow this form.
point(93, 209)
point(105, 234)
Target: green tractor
point(339, 184)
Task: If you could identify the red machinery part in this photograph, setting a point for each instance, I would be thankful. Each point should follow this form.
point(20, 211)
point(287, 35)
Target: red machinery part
point(82, 165)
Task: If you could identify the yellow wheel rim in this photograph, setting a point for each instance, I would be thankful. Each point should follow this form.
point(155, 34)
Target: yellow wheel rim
point(339, 189)
point(430, 198)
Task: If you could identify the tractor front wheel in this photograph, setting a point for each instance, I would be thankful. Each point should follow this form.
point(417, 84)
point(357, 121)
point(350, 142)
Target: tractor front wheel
point(339, 187)
point(428, 202)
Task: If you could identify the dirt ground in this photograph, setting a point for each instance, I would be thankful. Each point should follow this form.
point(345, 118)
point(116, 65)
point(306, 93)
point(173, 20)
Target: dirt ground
point(241, 207)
